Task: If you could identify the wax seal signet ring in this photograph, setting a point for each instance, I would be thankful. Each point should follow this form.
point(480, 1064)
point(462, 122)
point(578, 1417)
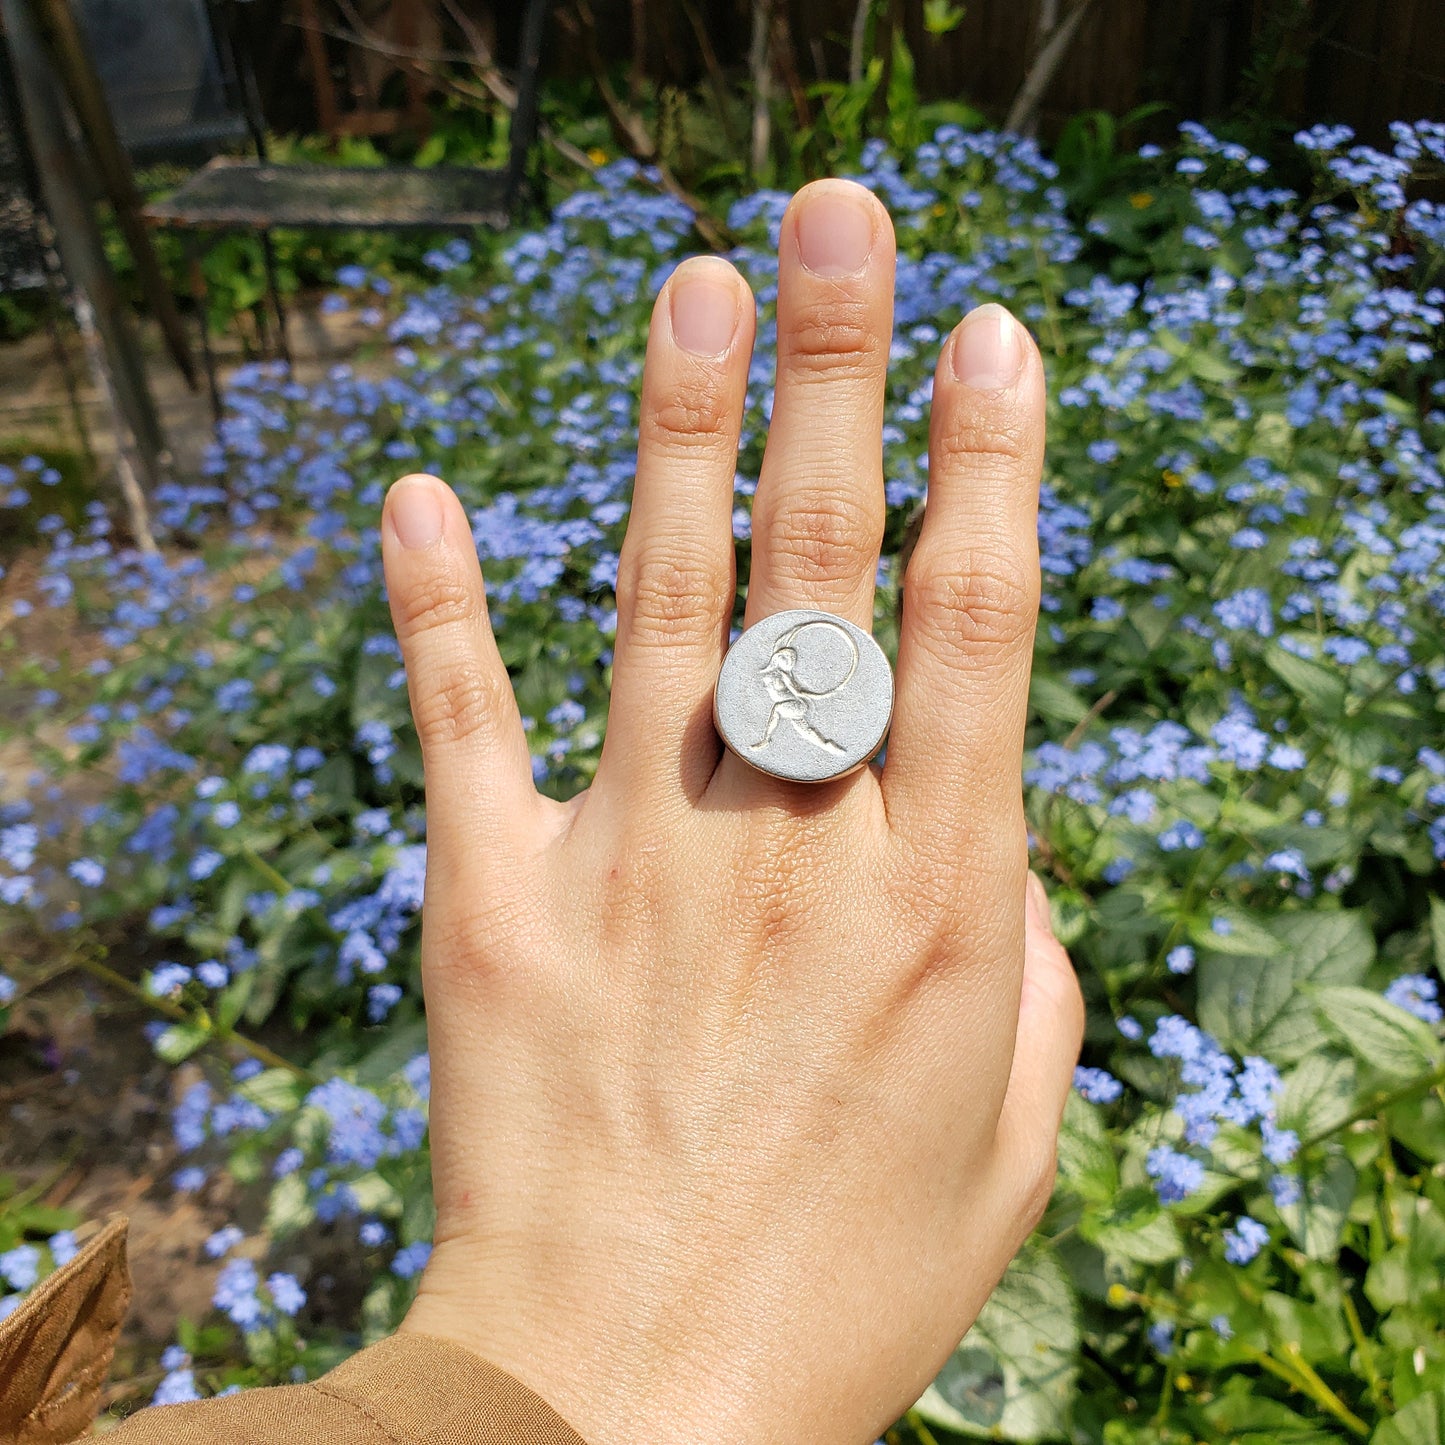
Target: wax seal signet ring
point(804, 695)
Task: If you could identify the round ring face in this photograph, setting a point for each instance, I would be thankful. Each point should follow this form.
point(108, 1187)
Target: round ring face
point(804, 695)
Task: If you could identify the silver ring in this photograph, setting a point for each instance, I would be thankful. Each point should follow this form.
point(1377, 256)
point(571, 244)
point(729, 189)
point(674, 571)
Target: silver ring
point(804, 695)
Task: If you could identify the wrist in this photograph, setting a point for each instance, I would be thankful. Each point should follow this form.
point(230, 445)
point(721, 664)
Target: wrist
point(614, 1374)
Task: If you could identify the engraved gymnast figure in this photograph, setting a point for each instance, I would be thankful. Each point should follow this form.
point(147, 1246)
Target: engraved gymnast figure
point(792, 702)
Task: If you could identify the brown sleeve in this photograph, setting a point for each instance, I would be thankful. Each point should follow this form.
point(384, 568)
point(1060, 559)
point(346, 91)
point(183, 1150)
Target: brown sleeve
point(407, 1390)
point(56, 1347)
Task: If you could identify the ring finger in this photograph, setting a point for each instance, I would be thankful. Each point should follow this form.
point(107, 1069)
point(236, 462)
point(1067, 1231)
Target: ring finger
point(818, 515)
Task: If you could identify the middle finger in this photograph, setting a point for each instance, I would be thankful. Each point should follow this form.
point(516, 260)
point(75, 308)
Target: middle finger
point(818, 515)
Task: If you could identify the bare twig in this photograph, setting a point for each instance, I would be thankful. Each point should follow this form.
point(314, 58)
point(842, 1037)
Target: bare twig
point(760, 68)
point(857, 40)
point(1024, 112)
point(632, 133)
point(493, 85)
point(629, 130)
point(1101, 706)
point(1052, 863)
point(787, 62)
point(471, 33)
point(716, 80)
point(637, 76)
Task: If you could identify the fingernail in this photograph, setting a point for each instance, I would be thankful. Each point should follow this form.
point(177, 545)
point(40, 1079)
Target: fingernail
point(417, 513)
point(1036, 905)
point(988, 349)
point(835, 230)
point(704, 311)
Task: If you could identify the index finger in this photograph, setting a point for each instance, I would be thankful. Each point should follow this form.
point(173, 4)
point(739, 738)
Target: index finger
point(971, 595)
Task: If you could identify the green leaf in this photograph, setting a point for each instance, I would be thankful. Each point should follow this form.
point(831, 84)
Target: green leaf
point(1419, 1124)
point(1418, 1371)
point(1422, 1422)
point(1238, 1417)
point(1411, 1273)
point(1322, 690)
point(1320, 1093)
point(1437, 930)
point(1256, 1005)
point(939, 17)
point(1317, 1221)
point(1379, 1033)
point(1056, 701)
point(397, 1048)
point(180, 1041)
point(277, 1091)
point(1314, 1328)
point(1211, 366)
point(1152, 1239)
point(1029, 1331)
point(418, 1211)
point(232, 1000)
point(1086, 1157)
point(289, 1207)
point(1245, 937)
point(45, 1219)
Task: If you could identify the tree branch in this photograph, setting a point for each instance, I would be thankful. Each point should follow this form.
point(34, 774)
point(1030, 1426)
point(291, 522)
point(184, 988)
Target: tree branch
point(1023, 114)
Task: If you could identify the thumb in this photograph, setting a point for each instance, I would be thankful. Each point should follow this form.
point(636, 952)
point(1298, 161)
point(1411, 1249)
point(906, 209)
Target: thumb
point(1046, 1048)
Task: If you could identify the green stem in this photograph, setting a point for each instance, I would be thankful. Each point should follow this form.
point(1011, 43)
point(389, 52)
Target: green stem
point(1363, 1346)
point(1378, 1103)
point(1322, 1394)
point(915, 1423)
point(1166, 1396)
point(1051, 311)
point(266, 870)
point(259, 1052)
point(43, 1184)
point(1307, 1383)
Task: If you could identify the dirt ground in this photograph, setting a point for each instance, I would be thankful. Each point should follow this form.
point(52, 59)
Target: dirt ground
point(85, 1115)
point(35, 403)
point(84, 1104)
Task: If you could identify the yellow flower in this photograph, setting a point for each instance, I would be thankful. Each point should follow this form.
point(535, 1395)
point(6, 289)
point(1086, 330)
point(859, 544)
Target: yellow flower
point(1118, 1296)
point(1141, 200)
point(939, 208)
point(1173, 479)
point(597, 156)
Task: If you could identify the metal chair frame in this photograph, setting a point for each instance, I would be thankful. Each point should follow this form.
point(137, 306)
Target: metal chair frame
point(257, 195)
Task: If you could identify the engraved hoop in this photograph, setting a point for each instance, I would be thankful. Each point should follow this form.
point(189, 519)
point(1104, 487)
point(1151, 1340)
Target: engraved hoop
point(804, 695)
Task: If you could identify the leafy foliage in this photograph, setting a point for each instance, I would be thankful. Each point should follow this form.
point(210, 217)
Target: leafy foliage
point(1234, 782)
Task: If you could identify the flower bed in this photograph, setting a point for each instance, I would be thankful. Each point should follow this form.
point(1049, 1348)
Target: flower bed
point(1236, 776)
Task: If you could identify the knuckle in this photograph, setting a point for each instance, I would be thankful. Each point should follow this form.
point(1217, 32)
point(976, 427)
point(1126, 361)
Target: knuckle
point(474, 945)
point(1001, 447)
point(687, 421)
point(439, 599)
point(458, 702)
point(833, 336)
point(456, 941)
point(821, 536)
point(986, 603)
point(671, 599)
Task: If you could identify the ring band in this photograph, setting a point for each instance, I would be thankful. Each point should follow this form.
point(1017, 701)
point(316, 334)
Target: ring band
point(804, 695)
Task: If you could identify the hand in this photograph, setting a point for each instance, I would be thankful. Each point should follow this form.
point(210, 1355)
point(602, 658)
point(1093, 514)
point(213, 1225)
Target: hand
point(745, 1092)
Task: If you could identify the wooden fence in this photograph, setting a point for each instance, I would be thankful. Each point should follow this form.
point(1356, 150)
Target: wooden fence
point(1364, 62)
